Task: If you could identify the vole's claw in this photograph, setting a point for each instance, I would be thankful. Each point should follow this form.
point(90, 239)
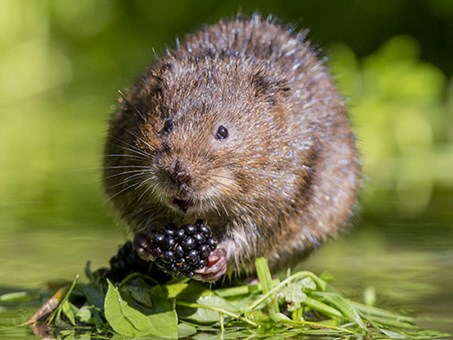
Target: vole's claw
point(216, 268)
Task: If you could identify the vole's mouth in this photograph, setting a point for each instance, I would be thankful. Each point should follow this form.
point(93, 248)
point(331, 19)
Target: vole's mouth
point(182, 204)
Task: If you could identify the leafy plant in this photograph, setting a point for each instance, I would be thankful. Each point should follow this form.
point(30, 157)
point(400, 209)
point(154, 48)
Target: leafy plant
point(301, 304)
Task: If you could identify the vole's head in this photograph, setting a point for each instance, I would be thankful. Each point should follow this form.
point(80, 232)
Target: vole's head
point(199, 136)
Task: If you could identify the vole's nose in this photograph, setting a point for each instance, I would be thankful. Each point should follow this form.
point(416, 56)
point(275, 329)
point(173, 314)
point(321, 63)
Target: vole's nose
point(181, 174)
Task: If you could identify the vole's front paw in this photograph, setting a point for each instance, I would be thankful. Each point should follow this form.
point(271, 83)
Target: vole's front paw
point(216, 268)
point(143, 246)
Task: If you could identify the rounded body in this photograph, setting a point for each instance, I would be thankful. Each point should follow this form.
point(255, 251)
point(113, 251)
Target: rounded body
point(241, 126)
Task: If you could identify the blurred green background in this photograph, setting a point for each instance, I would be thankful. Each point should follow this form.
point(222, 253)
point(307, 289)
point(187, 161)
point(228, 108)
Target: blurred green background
point(63, 62)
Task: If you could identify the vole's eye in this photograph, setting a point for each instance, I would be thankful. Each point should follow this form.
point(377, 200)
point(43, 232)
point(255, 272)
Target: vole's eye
point(221, 133)
point(168, 127)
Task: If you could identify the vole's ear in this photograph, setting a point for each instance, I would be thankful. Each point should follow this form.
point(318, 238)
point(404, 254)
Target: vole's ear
point(269, 87)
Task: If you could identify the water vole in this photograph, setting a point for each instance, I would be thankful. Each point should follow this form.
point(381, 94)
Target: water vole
point(242, 126)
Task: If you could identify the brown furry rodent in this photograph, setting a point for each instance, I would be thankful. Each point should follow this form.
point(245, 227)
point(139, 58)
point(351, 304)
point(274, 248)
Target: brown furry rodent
point(242, 126)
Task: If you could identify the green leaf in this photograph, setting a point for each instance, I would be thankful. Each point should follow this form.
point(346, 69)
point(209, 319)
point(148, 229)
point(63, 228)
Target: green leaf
point(160, 300)
point(186, 290)
point(129, 322)
point(174, 290)
point(138, 297)
point(206, 315)
point(98, 321)
point(164, 325)
point(84, 314)
point(68, 311)
point(94, 295)
point(123, 319)
point(392, 335)
point(185, 330)
point(147, 299)
point(348, 311)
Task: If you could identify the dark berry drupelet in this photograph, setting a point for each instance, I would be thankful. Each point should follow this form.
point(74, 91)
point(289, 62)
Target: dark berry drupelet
point(178, 251)
point(126, 262)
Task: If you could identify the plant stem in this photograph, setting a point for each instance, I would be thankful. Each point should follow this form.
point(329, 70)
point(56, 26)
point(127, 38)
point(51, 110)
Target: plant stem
point(323, 308)
point(265, 278)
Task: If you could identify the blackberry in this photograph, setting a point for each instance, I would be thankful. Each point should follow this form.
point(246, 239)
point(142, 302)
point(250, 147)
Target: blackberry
point(177, 251)
point(126, 262)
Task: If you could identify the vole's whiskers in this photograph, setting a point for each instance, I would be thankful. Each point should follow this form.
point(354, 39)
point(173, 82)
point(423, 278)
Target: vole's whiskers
point(111, 167)
point(109, 199)
point(128, 179)
point(125, 155)
point(142, 140)
point(133, 148)
point(148, 189)
point(136, 151)
point(126, 172)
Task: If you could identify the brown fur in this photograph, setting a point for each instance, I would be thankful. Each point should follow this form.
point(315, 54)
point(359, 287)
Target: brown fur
point(285, 179)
